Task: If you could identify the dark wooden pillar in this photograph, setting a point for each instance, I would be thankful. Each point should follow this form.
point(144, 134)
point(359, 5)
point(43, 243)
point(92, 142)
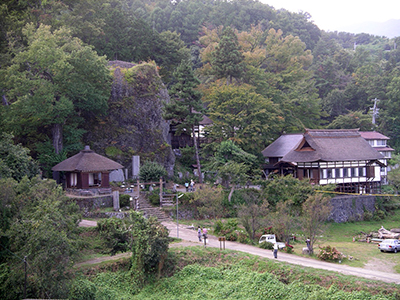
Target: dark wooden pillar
point(85, 180)
point(105, 179)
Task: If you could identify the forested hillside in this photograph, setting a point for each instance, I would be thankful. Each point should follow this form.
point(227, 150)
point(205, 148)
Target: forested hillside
point(261, 71)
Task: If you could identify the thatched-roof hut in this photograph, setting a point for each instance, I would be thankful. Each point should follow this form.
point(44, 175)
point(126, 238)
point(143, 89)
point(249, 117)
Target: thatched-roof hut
point(87, 169)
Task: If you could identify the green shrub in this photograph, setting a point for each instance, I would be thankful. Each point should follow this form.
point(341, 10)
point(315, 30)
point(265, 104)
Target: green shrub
point(368, 216)
point(231, 236)
point(154, 197)
point(379, 215)
point(82, 289)
point(151, 171)
point(266, 245)
point(232, 224)
point(329, 253)
point(116, 234)
point(244, 238)
point(218, 226)
point(124, 200)
point(288, 249)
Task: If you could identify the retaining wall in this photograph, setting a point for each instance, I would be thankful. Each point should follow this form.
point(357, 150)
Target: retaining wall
point(351, 208)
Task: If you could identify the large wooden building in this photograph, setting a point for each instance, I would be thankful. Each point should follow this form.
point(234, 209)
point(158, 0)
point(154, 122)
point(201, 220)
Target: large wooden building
point(341, 157)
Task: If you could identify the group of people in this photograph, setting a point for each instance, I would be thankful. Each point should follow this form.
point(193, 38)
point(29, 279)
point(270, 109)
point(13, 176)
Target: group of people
point(201, 233)
point(190, 187)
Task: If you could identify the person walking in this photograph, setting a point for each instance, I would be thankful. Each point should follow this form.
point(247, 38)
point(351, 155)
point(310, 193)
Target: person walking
point(276, 250)
point(199, 233)
point(205, 233)
point(308, 243)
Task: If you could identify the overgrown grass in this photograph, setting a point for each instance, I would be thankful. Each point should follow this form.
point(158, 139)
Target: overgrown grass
point(198, 273)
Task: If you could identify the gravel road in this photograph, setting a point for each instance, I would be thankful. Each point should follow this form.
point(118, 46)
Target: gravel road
point(189, 237)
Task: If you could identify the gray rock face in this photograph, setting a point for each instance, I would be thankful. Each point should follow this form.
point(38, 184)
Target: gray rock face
point(134, 124)
point(351, 208)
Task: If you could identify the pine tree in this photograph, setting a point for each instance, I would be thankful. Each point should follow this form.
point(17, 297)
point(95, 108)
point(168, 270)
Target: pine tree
point(186, 108)
point(228, 59)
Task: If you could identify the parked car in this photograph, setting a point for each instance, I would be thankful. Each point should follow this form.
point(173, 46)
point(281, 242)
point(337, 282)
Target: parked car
point(270, 238)
point(389, 245)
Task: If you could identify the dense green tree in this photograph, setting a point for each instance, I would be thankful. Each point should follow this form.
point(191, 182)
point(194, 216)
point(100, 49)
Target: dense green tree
point(243, 116)
point(233, 165)
point(353, 120)
point(209, 201)
point(43, 230)
point(149, 247)
point(227, 59)
point(186, 108)
point(56, 82)
point(15, 161)
point(287, 188)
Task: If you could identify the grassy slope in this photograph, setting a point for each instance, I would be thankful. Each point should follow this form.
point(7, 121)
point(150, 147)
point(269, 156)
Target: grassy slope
point(234, 275)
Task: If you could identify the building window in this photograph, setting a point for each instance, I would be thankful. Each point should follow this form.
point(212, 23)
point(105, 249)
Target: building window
point(381, 142)
point(338, 173)
point(361, 172)
point(73, 179)
point(329, 173)
point(354, 172)
point(346, 172)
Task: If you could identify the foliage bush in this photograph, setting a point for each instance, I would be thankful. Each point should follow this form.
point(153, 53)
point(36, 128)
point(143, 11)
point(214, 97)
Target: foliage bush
point(266, 245)
point(82, 289)
point(151, 171)
point(218, 226)
point(244, 238)
point(231, 236)
point(367, 216)
point(379, 215)
point(116, 234)
point(124, 200)
point(288, 249)
point(329, 253)
point(154, 197)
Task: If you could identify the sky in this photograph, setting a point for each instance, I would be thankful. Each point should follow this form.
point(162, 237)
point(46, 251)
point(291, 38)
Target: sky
point(336, 15)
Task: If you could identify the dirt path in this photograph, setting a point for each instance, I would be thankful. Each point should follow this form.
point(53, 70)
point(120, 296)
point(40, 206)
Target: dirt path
point(189, 237)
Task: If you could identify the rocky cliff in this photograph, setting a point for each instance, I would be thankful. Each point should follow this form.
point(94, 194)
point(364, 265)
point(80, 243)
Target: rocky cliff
point(134, 124)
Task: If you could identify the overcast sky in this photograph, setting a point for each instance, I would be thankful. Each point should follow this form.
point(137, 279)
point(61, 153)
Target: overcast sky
point(335, 15)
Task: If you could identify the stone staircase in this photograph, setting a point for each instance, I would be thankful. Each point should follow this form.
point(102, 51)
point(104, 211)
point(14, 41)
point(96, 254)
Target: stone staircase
point(149, 210)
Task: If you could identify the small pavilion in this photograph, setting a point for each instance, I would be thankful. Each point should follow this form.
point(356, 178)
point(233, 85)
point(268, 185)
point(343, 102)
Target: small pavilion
point(87, 170)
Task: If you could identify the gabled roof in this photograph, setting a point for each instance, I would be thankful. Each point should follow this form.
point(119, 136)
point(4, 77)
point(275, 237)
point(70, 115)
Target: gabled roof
point(282, 145)
point(87, 161)
point(332, 145)
point(373, 135)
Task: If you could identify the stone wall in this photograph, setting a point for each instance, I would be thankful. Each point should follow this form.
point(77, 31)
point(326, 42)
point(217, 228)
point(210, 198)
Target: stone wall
point(92, 203)
point(105, 215)
point(351, 208)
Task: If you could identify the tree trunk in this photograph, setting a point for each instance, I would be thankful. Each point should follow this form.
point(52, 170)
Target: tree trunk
point(196, 148)
point(231, 193)
point(57, 138)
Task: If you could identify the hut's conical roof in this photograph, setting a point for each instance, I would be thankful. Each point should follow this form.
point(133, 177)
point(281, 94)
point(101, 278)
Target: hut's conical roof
point(87, 161)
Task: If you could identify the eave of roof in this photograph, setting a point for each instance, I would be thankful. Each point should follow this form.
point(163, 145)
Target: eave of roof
point(87, 161)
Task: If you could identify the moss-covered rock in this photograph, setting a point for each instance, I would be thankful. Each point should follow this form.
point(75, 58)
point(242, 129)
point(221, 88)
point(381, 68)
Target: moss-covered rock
point(134, 124)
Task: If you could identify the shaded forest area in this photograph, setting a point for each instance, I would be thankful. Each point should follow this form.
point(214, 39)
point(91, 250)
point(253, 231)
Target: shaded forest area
point(259, 72)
